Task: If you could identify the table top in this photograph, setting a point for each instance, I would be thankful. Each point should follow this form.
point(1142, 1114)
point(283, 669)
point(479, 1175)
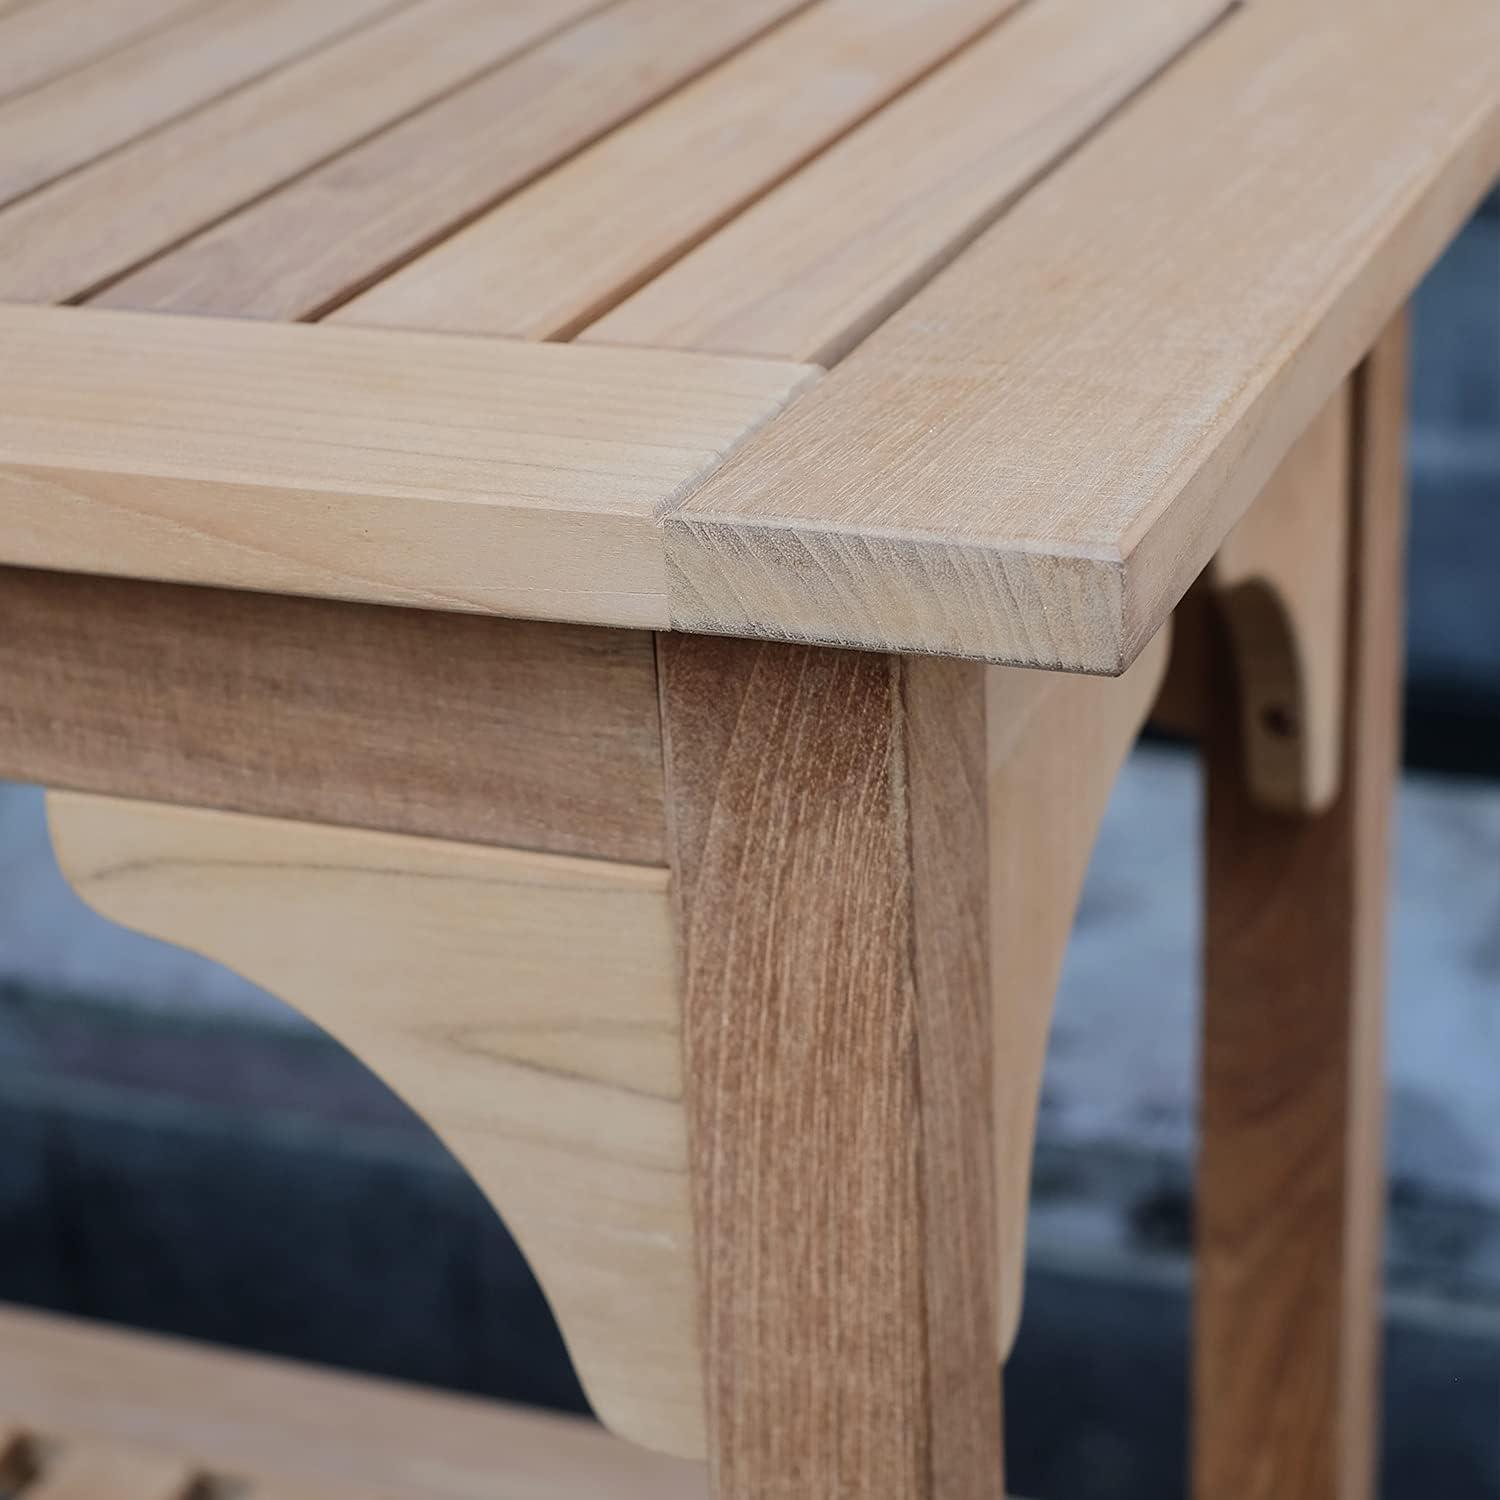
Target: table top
point(964, 326)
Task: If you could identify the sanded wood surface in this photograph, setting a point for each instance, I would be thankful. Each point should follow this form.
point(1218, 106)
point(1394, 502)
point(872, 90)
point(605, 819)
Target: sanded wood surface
point(1280, 582)
point(557, 255)
point(1290, 1175)
point(457, 726)
point(1033, 458)
point(62, 124)
point(830, 868)
point(814, 265)
point(267, 1428)
point(1054, 746)
point(88, 1471)
point(96, 223)
point(1097, 272)
point(417, 469)
point(37, 41)
point(343, 226)
point(524, 1005)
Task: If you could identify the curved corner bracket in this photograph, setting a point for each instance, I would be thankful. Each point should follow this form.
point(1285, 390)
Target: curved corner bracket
point(523, 1004)
point(1280, 583)
point(1056, 742)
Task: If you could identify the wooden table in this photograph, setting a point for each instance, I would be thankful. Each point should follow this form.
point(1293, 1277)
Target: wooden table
point(530, 527)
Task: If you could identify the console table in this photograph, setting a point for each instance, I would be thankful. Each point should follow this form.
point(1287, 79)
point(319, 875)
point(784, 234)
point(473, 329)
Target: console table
point(610, 554)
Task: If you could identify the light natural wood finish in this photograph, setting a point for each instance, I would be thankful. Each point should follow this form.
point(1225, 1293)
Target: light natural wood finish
point(344, 225)
point(807, 271)
point(1055, 746)
point(1291, 1186)
point(830, 867)
point(292, 1428)
point(400, 468)
point(63, 124)
point(1280, 582)
point(1028, 462)
point(82, 1471)
point(524, 1005)
point(38, 42)
point(1034, 457)
point(555, 256)
point(102, 220)
point(456, 726)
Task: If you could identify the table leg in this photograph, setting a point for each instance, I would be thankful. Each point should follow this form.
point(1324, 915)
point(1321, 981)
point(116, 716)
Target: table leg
point(852, 835)
point(1291, 1184)
point(830, 864)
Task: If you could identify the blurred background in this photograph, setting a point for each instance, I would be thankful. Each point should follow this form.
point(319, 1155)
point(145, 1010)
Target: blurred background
point(182, 1153)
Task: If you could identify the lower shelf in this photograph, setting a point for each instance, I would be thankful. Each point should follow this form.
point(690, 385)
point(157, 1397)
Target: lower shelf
point(95, 1413)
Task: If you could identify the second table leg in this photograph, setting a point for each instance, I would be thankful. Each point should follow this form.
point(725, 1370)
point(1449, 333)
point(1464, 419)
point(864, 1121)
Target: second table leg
point(1291, 1181)
point(829, 861)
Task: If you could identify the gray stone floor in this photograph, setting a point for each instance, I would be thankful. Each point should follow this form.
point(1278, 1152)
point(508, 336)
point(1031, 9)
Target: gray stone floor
point(1124, 1048)
point(1120, 1093)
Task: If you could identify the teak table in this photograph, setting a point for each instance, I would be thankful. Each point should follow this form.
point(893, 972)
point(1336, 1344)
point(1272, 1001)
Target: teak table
point(610, 554)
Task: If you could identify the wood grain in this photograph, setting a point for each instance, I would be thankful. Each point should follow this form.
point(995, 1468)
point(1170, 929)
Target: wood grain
point(39, 42)
point(456, 726)
point(810, 268)
point(295, 1428)
point(62, 242)
point(1280, 581)
point(1033, 458)
point(344, 225)
point(555, 256)
point(398, 468)
point(525, 1005)
point(829, 869)
point(1291, 1182)
point(1055, 745)
point(62, 124)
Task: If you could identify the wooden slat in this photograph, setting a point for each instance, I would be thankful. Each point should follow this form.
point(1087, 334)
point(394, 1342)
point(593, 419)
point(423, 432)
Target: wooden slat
point(85, 1471)
point(808, 270)
point(42, 41)
point(256, 1489)
point(829, 866)
point(344, 225)
point(525, 1005)
point(98, 222)
point(63, 124)
point(461, 474)
point(279, 1423)
point(456, 726)
point(1034, 457)
point(560, 253)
